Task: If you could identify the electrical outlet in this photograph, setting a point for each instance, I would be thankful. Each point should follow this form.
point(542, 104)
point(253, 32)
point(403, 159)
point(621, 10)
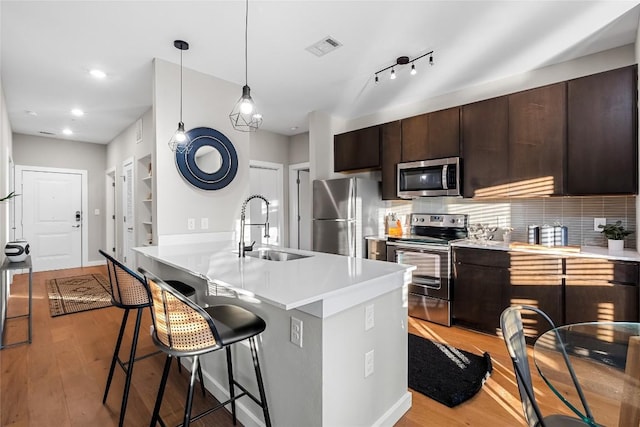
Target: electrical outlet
point(368, 363)
point(204, 223)
point(296, 331)
point(368, 317)
point(191, 224)
point(597, 222)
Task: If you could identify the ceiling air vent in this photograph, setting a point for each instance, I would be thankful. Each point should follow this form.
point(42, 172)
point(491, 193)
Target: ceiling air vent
point(324, 46)
point(43, 132)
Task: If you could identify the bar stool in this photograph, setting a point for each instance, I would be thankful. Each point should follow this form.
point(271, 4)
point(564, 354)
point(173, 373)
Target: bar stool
point(128, 291)
point(182, 328)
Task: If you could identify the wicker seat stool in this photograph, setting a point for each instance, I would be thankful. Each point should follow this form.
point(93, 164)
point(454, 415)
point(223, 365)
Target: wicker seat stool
point(182, 328)
point(128, 291)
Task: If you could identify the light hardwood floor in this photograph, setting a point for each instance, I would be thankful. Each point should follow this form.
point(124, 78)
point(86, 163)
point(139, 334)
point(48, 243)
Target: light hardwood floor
point(58, 380)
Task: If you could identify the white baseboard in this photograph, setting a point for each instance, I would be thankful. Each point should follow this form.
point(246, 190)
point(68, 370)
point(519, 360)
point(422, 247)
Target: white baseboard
point(95, 263)
point(393, 415)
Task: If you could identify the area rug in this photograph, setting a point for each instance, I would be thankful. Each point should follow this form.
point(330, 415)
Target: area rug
point(445, 373)
point(78, 293)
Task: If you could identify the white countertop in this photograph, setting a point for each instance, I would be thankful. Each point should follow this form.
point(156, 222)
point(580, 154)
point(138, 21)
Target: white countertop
point(285, 284)
point(585, 251)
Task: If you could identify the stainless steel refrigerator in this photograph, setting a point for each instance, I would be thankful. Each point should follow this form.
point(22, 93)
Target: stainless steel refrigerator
point(345, 210)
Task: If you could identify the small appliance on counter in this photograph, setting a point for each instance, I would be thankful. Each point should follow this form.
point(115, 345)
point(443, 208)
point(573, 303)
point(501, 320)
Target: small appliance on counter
point(548, 235)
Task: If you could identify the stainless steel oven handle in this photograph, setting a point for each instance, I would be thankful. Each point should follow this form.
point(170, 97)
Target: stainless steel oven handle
point(429, 283)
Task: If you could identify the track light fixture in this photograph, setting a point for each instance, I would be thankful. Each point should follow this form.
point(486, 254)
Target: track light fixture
point(404, 60)
point(180, 141)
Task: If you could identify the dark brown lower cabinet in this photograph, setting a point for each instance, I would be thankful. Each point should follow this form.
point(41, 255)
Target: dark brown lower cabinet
point(480, 288)
point(600, 290)
point(536, 280)
point(567, 289)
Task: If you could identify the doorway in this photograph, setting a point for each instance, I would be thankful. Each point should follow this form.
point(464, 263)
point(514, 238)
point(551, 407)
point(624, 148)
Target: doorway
point(128, 230)
point(51, 214)
point(266, 179)
point(110, 212)
point(299, 206)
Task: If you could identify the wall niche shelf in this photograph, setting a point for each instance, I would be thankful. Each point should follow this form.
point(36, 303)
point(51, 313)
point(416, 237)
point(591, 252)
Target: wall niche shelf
point(146, 189)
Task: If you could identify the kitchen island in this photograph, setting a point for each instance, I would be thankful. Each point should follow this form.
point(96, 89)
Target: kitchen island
point(350, 309)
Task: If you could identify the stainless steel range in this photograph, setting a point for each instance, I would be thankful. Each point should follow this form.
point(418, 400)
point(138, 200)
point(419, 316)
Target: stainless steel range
point(428, 248)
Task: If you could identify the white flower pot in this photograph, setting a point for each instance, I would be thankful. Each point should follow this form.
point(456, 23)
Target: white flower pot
point(17, 250)
point(616, 245)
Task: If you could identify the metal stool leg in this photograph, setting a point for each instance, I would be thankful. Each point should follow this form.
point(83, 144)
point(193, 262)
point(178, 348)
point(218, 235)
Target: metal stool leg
point(115, 355)
point(200, 378)
point(192, 382)
point(232, 392)
point(129, 370)
point(263, 395)
point(163, 383)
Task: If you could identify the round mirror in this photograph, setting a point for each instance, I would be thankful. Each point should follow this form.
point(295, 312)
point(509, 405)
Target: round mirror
point(212, 161)
point(208, 159)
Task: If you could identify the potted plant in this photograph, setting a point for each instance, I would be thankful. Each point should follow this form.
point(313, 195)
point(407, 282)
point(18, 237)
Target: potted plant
point(615, 233)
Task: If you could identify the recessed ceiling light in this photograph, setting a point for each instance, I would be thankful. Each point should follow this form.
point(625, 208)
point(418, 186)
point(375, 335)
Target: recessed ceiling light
point(67, 131)
point(293, 128)
point(98, 74)
point(31, 113)
point(77, 112)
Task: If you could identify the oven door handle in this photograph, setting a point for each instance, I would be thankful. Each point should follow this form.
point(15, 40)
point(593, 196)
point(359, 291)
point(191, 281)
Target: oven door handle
point(434, 283)
point(417, 247)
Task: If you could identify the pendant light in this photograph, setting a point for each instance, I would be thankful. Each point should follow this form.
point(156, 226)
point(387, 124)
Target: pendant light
point(180, 141)
point(244, 116)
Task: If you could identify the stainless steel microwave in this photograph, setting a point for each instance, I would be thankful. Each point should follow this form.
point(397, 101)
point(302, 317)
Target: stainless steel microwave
point(439, 177)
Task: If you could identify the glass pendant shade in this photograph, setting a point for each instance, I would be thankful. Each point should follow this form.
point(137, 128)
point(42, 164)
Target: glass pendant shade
point(244, 116)
point(179, 141)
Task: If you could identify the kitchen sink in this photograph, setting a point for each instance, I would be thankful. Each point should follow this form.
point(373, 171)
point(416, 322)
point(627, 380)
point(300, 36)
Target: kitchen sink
point(274, 255)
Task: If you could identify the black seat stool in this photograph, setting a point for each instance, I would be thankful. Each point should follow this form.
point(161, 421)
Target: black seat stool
point(189, 292)
point(128, 291)
point(182, 328)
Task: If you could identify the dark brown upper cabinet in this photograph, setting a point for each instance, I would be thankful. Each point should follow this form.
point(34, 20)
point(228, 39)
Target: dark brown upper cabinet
point(485, 148)
point(431, 136)
point(602, 133)
point(391, 143)
point(357, 150)
point(537, 130)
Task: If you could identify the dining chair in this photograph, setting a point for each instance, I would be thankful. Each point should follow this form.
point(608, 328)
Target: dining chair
point(183, 328)
point(514, 338)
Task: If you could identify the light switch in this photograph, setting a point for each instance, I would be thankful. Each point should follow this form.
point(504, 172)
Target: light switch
point(96, 212)
point(204, 223)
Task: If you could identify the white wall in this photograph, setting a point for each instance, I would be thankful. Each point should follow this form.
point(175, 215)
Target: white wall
point(207, 101)
point(33, 150)
point(299, 148)
point(122, 147)
point(5, 154)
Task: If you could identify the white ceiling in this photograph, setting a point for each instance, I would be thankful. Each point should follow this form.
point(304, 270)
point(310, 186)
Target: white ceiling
point(48, 47)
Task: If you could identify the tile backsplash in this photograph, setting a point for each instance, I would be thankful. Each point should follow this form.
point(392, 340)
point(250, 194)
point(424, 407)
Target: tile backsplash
point(577, 213)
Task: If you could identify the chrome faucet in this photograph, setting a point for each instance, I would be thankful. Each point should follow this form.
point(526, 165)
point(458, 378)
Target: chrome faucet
point(241, 246)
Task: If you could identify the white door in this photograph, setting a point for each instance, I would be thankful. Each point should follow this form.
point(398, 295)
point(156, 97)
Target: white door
point(52, 218)
point(265, 179)
point(128, 213)
point(110, 212)
point(299, 206)
point(304, 210)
